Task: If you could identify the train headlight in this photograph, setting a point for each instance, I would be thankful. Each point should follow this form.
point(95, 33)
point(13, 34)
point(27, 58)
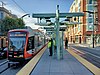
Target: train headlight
point(11, 49)
point(10, 55)
point(20, 55)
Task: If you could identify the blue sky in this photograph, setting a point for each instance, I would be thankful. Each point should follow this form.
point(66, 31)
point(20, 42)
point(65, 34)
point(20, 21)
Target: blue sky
point(37, 6)
point(33, 6)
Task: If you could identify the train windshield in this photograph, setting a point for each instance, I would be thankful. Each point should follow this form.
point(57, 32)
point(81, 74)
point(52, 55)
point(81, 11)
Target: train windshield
point(17, 42)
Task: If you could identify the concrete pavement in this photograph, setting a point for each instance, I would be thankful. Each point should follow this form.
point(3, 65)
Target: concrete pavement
point(68, 66)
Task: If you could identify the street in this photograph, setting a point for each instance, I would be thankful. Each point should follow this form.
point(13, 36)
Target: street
point(90, 54)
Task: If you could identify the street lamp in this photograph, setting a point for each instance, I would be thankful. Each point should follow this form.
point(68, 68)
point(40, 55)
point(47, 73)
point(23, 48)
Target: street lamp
point(25, 15)
point(93, 25)
point(94, 19)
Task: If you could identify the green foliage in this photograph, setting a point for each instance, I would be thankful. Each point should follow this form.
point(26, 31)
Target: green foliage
point(11, 23)
point(20, 23)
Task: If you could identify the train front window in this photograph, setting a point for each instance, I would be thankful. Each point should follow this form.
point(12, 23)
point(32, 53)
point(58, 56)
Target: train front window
point(16, 43)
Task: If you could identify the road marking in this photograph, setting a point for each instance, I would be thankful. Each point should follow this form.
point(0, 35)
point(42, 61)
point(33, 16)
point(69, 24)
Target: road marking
point(95, 70)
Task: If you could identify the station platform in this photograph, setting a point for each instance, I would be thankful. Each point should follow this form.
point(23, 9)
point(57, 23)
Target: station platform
point(69, 65)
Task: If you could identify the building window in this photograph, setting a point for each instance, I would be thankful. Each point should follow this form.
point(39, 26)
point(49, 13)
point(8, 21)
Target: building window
point(90, 20)
point(89, 1)
point(90, 15)
point(1, 15)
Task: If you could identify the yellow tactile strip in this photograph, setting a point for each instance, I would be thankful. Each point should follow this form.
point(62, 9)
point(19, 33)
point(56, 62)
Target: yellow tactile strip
point(95, 70)
point(26, 70)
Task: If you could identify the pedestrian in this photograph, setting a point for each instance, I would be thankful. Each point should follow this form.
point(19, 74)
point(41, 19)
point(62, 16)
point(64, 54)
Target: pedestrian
point(50, 44)
point(66, 43)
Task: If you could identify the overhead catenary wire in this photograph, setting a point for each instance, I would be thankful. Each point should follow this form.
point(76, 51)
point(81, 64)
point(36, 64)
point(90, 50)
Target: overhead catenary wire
point(19, 6)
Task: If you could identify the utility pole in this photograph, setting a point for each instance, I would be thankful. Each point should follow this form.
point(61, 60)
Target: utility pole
point(93, 14)
point(93, 21)
point(93, 26)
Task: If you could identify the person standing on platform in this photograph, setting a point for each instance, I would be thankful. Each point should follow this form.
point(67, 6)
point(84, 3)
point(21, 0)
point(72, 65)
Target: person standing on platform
point(50, 44)
point(66, 43)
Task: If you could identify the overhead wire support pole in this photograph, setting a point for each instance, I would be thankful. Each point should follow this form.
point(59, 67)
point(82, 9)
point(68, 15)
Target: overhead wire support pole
point(93, 21)
point(93, 27)
point(93, 14)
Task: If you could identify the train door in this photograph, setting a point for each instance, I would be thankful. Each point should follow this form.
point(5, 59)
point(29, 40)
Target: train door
point(33, 46)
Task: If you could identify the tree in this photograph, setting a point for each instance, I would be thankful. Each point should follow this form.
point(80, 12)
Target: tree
point(11, 23)
point(20, 23)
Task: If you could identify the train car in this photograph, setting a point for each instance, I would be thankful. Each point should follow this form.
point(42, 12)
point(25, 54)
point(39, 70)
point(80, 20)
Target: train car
point(23, 44)
point(3, 46)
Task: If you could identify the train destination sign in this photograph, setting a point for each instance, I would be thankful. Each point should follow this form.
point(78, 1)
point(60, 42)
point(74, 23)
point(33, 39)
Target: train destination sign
point(17, 34)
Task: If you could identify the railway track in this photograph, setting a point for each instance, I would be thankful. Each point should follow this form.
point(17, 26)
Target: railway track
point(3, 66)
point(4, 69)
point(3, 62)
point(89, 56)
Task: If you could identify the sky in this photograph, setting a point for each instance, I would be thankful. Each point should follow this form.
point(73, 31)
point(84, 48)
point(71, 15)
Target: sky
point(21, 7)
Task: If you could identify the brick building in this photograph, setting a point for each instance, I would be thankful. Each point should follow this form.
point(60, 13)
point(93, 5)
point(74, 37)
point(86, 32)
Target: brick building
point(83, 32)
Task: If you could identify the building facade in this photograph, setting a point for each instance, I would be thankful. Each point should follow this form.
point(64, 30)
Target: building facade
point(6, 13)
point(3, 14)
point(89, 26)
point(98, 13)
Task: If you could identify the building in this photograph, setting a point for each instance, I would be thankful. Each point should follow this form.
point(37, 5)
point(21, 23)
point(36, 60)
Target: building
point(5, 13)
point(98, 9)
point(89, 26)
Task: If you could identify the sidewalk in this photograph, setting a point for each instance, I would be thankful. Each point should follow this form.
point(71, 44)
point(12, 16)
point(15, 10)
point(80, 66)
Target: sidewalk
point(67, 66)
point(97, 47)
point(86, 45)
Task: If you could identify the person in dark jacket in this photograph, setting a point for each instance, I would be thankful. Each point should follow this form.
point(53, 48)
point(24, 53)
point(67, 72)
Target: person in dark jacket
point(66, 43)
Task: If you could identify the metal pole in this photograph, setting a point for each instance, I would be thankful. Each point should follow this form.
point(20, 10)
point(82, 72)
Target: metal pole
point(37, 20)
point(57, 33)
point(93, 22)
point(62, 44)
point(55, 47)
point(93, 31)
point(25, 15)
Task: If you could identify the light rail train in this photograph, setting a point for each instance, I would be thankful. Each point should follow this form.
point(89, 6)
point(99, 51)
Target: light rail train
point(23, 44)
